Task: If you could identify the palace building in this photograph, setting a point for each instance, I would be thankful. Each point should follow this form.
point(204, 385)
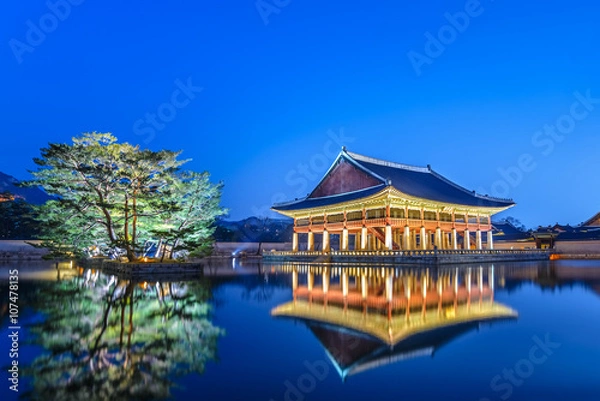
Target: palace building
point(367, 204)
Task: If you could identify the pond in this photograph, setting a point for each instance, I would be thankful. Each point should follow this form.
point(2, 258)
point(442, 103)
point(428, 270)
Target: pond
point(242, 330)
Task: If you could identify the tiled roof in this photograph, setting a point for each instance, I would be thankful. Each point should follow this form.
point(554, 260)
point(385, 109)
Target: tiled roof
point(423, 182)
point(420, 182)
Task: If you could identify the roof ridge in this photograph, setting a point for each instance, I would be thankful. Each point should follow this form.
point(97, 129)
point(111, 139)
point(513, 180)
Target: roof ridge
point(594, 217)
point(474, 193)
point(387, 163)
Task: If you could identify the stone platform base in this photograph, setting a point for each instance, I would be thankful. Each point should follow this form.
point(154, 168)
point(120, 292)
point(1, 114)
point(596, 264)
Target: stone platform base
point(140, 270)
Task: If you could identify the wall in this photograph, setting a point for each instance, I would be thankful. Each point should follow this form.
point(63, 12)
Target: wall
point(513, 245)
point(17, 249)
point(578, 247)
point(251, 248)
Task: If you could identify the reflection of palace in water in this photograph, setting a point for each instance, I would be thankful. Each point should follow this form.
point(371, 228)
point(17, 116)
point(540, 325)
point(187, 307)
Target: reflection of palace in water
point(369, 317)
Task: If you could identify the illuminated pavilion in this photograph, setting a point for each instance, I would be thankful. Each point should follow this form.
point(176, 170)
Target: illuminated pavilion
point(373, 204)
point(370, 317)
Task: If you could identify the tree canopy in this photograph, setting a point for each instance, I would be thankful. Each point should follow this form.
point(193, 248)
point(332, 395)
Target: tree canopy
point(16, 219)
point(117, 198)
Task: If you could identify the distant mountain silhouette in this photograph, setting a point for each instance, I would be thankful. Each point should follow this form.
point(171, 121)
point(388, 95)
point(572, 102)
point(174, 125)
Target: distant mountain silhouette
point(254, 229)
point(31, 195)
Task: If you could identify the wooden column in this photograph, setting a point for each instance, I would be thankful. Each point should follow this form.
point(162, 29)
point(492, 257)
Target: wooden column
point(478, 240)
point(423, 236)
point(344, 283)
point(295, 242)
point(467, 240)
point(310, 246)
point(364, 286)
point(490, 240)
point(295, 279)
point(389, 288)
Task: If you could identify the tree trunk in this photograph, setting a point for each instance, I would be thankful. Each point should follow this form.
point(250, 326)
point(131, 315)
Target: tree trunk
point(158, 248)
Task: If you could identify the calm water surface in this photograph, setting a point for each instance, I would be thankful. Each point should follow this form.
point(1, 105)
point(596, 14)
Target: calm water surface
point(246, 331)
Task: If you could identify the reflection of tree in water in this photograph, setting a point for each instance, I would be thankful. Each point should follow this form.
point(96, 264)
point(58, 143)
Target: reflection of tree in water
point(111, 339)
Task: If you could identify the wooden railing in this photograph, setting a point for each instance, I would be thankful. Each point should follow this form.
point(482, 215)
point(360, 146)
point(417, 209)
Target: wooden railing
point(446, 226)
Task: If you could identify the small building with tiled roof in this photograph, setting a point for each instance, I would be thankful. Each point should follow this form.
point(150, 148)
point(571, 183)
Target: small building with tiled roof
point(593, 222)
point(373, 204)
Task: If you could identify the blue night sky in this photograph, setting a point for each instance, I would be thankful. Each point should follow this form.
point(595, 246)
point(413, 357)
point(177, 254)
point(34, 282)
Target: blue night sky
point(278, 99)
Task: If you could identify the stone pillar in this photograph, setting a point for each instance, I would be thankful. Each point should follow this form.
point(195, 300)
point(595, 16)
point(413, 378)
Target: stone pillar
point(454, 239)
point(407, 243)
point(344, 240)
point(295, 242)
point(389, 245)
point(478, 240)
point(490, 240)
point(423, 238)
point(414, 240)
point(467, 241)
point(438, 238)
point(310, 246)
point(363, 239)
point(326, 244)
